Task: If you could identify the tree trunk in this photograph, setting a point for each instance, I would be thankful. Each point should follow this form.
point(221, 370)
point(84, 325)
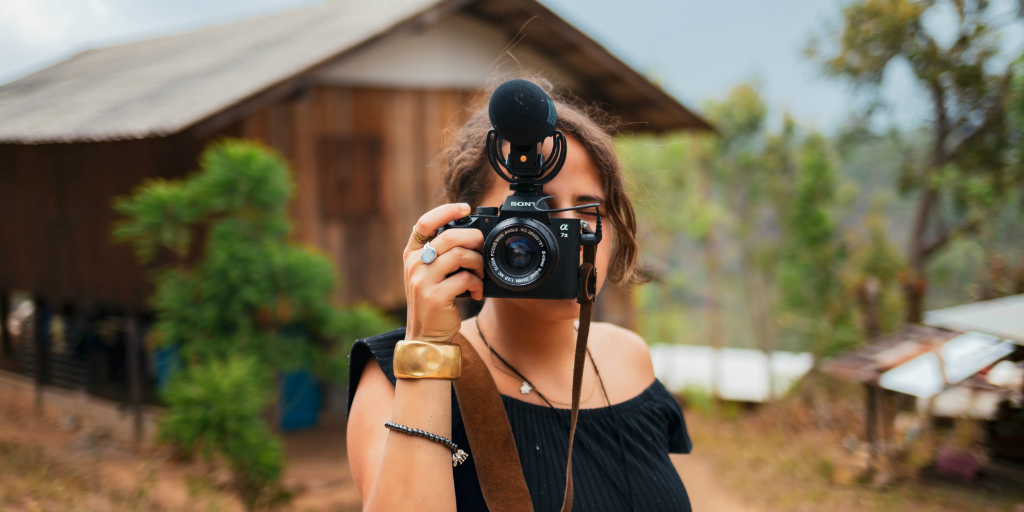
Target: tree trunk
point(764, 335)
point(714, 318)
point(712, 266)
point(868, 293)
point(915, 283)
point(1018, 276)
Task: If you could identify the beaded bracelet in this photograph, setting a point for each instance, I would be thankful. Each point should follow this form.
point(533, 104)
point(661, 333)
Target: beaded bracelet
point(458, 456)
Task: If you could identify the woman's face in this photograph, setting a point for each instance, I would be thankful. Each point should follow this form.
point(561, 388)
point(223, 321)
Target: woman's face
point(577, 184)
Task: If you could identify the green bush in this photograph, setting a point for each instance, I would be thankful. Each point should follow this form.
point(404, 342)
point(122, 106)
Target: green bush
point(245, 289)
point(215, 411)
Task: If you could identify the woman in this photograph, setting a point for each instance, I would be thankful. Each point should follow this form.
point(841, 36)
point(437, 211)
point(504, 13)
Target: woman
point(628, 422)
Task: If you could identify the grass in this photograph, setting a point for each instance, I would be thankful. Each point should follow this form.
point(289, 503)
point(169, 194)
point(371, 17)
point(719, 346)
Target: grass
point(782, 458)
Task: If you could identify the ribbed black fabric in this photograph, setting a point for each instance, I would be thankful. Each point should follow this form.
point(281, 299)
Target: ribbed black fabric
point(620, 457)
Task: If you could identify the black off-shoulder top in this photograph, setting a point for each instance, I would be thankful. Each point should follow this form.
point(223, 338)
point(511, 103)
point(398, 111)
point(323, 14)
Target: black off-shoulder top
point(620, 456)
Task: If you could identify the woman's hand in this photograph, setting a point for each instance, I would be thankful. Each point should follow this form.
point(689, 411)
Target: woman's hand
point(430, 295)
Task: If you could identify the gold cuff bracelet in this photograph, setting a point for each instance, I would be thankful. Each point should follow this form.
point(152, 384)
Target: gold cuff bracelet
point(422, 360)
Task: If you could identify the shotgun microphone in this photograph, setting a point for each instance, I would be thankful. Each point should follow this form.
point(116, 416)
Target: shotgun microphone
point(522, 113)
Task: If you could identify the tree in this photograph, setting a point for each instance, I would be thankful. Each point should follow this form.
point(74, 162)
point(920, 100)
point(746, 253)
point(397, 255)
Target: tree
point(245, 287)
point(967, 89)
point(239, 300)
point(738, 167)
point(814, 254)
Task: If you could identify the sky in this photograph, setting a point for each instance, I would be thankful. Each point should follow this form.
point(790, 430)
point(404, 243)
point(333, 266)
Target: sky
point(695, 49)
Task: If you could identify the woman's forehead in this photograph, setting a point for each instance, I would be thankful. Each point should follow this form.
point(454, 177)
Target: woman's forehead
point(579, 177)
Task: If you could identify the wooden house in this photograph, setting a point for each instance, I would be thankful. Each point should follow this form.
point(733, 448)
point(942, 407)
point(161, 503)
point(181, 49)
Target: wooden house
point(355, 94)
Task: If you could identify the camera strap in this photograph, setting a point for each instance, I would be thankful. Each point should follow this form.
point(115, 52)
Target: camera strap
point(498, 468)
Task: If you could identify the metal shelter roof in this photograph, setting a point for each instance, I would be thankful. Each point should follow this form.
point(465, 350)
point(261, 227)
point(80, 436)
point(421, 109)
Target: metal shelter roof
point(1002, 317)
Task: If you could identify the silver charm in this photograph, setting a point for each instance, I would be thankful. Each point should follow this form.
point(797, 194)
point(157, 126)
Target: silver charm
point(525, 388)
point(459, 457)
point(428, 255)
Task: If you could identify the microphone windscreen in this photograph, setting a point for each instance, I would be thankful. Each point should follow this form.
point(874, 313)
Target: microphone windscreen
point(522, 113)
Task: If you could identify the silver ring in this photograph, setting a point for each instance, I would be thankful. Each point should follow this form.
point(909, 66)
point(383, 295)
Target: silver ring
point(428, 255)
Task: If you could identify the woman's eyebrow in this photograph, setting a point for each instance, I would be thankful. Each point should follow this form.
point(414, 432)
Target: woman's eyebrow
point(588, 199)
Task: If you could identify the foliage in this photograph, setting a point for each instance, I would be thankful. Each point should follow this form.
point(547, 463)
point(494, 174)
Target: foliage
point(249, 290)
point(814, 254)
point(774, 200)
point(214, 409)
point(968, 89)
point(876, 270)
point(235, 285)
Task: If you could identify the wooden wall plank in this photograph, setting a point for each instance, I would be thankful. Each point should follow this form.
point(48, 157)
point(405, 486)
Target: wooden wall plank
point(302, 158)
point(58, 206)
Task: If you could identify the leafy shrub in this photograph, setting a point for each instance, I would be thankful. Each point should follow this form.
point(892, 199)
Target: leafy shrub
point(246, 289)
point(215, 411)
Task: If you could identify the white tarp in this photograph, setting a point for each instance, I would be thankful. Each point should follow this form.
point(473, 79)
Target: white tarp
point(742, 373)
point(961, 357)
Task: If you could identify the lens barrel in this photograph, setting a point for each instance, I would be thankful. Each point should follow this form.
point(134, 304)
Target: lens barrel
point(520, 253)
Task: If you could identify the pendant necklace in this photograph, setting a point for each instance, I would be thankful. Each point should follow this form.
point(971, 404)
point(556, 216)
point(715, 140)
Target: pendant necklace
point(527, 386)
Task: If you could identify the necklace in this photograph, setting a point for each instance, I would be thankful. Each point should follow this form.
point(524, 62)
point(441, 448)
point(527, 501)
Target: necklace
point(527, 385)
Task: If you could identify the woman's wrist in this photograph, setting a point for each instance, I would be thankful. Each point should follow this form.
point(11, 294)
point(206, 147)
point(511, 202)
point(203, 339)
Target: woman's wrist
point(414, 333)
point(424, 404)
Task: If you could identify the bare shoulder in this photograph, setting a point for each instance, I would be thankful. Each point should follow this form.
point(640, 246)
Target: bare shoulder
point(625, 355)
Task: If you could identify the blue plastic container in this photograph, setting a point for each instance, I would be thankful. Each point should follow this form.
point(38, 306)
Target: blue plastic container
point(299, 400)
point(166, 362)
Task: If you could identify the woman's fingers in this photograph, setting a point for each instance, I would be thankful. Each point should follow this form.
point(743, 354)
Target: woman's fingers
point(451, 238)
point(429, 223)
point(422, 275)
point(457, 258)
point(459, 283)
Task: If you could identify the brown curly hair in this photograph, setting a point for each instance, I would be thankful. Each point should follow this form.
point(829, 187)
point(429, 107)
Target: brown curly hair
point(468, 175)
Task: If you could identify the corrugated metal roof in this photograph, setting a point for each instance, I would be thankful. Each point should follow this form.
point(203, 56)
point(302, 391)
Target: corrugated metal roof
point(161, 86)
point(1002, 317)
point(165, 85)
point(955, 361)
point(885, 352)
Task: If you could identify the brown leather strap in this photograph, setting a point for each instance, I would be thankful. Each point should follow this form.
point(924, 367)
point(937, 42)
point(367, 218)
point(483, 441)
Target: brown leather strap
point(490, 436)
point(588, 278)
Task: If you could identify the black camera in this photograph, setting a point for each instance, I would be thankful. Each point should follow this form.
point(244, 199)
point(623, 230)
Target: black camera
point(527, 253)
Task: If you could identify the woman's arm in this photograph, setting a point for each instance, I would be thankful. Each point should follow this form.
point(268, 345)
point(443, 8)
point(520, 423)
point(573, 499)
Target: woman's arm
point(365, 438)
point(396, 471)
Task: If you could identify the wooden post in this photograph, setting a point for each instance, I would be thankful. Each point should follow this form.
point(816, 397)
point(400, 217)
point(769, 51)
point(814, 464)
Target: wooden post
point(870, 418)
point(134, 350)
point(6, 344)
point(888, 413)
point(43, 316)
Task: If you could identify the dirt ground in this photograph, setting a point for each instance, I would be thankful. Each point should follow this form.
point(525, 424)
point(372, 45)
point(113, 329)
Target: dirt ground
point(787, 457)
point(707, 494)
point(46, 464)
point(739, 465)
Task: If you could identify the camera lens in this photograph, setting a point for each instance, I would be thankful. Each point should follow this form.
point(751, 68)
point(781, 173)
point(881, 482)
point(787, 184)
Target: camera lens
point(519, 252)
